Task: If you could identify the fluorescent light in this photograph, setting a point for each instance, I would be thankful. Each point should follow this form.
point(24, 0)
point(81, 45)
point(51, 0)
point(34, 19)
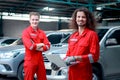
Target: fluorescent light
point(25, 17)
point(48, 9)
point(99, 8)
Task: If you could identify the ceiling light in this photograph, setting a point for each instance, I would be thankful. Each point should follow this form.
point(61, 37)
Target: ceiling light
point(48, 9)
point(99, 8)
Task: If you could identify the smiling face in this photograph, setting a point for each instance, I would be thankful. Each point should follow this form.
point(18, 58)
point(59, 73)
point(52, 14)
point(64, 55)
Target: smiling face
point(81, 19)
point(34, 21)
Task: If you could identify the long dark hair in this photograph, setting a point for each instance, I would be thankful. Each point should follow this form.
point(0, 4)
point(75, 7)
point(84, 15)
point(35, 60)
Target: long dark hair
point(91, 22)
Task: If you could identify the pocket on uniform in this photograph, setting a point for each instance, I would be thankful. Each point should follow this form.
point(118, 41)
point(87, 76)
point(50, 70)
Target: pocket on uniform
point(83, 44)
point(83, 48)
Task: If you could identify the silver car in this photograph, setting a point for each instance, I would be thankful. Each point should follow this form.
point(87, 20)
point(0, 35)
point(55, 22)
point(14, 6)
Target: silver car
point(12, 56)
point(108, 66)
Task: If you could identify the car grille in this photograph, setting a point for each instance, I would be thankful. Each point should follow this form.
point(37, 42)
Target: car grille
point(8, 68)
point(48, 72)
point(45, 58)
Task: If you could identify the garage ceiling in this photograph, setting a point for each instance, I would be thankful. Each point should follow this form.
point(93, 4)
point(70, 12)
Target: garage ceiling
point(61, 8)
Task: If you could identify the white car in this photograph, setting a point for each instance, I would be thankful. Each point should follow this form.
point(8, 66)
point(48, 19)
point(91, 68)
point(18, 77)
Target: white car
point(108, 65)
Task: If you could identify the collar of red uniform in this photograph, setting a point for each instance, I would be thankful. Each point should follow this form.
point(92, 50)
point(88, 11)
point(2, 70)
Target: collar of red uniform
point(84, 32)
point(33, 29)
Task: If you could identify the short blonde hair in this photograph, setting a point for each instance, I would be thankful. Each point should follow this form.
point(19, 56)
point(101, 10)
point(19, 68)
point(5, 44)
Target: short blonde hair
point(34, 13)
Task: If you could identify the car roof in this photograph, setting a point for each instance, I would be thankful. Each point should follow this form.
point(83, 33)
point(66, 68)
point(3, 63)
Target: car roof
point(107, 27)
point(7, 38)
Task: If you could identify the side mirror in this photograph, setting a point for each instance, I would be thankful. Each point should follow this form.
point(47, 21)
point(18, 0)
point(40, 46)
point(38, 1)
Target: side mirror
point(111, 41)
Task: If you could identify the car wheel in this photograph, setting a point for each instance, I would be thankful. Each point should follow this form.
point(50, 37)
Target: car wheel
point(97, 74)
point(20, 72)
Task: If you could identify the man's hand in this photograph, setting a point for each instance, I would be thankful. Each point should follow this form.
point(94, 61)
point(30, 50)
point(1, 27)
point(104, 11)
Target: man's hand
point(70, 60)
point(39, 46)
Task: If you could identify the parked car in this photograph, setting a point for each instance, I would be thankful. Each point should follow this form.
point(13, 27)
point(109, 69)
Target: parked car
point(12, 56)
point(108, 65)
point(6, 41)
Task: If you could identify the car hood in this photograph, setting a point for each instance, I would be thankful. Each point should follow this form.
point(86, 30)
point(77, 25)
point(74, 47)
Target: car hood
point(55, 48)
point(13, 47)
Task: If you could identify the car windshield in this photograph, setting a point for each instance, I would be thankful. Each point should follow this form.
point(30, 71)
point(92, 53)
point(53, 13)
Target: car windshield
point(101, 33)
point(58, 38)
point(1, 37)
point(65, 38)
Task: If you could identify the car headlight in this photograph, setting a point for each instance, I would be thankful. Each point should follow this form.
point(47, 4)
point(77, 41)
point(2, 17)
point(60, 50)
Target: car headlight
point(10, 54)
point(62, 71)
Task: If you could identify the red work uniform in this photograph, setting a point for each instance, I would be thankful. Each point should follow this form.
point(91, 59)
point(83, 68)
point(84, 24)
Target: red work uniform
point(33, 61)
point(87, 46)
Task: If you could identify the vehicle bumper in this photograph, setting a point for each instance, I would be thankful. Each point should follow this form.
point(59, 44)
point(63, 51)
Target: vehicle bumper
point(4, 71)
point(60, 74)
point(51, 77)
point(7, 68)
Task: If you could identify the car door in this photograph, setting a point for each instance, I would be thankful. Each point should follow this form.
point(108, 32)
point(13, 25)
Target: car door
point(111, 54)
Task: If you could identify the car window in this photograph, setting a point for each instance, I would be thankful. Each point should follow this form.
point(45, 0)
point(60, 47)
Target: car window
point(59, 38)
point(116, 35)
point(18, 42)
point(101, 33)
point(55, 38)
point(8, 41)
point(65, 38)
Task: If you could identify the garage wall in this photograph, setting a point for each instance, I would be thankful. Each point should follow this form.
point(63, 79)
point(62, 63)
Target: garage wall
point(111, 23)
point(14, 28)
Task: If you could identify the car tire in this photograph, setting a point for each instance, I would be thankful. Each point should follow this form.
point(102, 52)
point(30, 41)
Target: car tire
point(20, 72)
point(97, 75)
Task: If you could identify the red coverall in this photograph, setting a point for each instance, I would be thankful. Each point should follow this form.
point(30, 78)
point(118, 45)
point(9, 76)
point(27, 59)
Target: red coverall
point(33, 61)
point(87, 46)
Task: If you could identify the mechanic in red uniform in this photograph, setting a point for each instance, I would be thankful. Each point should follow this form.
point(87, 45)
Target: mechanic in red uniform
point(35, 42)
point(83, 48)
